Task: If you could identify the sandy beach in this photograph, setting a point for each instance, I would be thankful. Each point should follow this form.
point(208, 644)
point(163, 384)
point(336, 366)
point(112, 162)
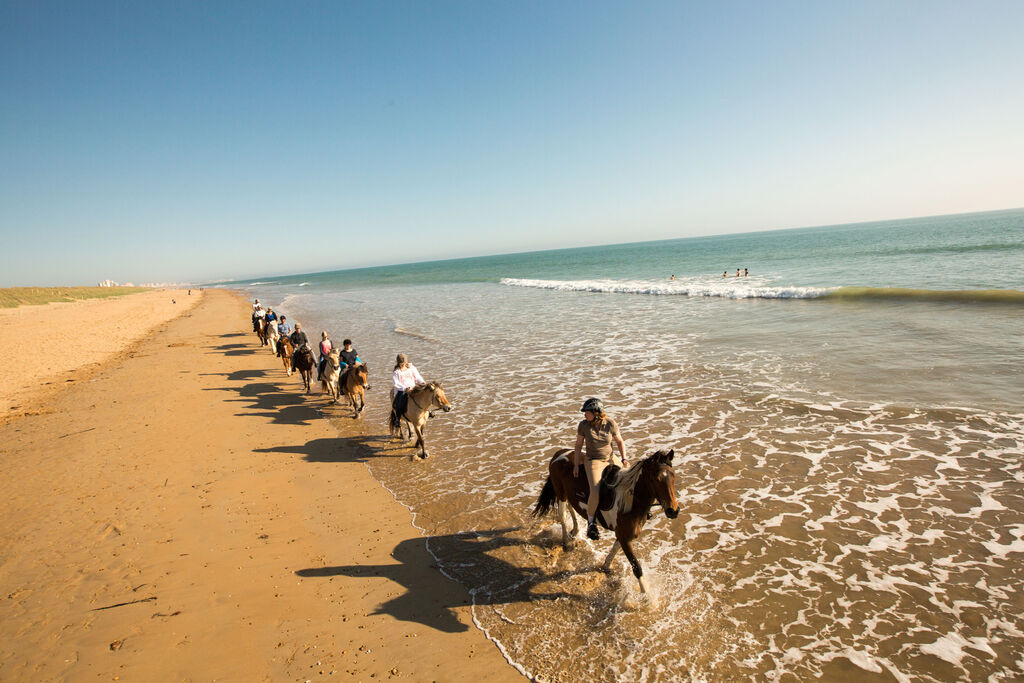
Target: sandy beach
point(174, 509)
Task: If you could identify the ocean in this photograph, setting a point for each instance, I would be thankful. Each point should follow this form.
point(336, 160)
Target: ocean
point(848, 427)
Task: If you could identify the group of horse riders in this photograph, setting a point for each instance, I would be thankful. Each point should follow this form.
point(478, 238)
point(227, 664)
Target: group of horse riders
point(405, 377)
point(277, 328)
point(596, 435)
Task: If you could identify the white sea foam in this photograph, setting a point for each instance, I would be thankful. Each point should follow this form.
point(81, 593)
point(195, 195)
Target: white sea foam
point(670, 288)
point(802, 510)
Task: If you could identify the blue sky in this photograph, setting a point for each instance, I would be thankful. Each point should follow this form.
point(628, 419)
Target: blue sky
point(199, 141)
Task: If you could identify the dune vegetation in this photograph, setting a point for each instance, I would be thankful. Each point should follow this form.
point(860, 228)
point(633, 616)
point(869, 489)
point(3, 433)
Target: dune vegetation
point(12, 297)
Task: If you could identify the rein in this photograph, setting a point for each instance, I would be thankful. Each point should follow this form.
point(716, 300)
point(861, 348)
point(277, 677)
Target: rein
point(412, 398)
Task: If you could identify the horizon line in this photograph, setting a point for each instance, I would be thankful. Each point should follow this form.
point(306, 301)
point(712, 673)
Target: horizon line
point(592, 246)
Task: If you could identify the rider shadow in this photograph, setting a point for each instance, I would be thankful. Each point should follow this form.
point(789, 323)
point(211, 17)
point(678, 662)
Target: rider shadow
point(280, 406)
point(237, 375)
point(232, 334)
point(240, 352)
point(350, 449)
point(431, 600)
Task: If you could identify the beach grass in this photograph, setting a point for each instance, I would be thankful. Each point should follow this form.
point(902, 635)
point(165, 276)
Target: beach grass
point(12, 297)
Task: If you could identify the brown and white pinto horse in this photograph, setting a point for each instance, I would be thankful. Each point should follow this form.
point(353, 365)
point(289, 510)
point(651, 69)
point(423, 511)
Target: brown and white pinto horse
point(354, 384)
point(304, 363)
point(284, 350)
point(624, 505)
point(417, 409)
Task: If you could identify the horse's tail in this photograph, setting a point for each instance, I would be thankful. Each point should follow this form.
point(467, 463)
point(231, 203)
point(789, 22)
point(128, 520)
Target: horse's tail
point(394, 422)
point(546, 500)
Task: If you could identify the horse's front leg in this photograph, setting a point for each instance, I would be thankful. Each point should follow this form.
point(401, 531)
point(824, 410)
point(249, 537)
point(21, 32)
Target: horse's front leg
point(420, 443)
point(638, 571)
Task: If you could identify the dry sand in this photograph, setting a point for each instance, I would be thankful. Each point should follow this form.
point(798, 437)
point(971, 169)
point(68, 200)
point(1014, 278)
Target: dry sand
point(74, 336)
point(181, 512)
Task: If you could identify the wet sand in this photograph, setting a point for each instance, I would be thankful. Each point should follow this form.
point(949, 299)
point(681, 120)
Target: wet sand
point(182, 511)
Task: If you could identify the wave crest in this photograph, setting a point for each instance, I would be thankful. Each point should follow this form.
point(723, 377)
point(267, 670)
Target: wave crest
point(734, 290)
point(672, 288)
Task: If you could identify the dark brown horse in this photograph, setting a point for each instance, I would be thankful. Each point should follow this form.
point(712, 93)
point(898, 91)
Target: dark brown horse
point(262, 331)
point(354, 384)
point(421, 400)
point(304, 363)
point(624, 504)
point(285, 350)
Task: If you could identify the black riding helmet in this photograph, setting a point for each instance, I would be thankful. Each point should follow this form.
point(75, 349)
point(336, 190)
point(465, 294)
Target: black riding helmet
point(594, 405)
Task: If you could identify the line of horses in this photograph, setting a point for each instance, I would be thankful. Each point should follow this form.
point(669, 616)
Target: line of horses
point(626, 496)
point(352, 382)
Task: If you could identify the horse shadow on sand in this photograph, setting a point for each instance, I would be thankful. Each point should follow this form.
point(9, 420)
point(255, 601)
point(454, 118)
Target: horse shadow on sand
point(430, 599)
point(235, 349)
point(345, 449)
point(268, 399)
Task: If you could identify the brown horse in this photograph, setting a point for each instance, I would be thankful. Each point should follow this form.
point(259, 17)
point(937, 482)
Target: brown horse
point(262, 331)
point(354, 384)
point(626, 499)
point(304, 363)
point(416, 411)
point(284, 350)
point(331, 373)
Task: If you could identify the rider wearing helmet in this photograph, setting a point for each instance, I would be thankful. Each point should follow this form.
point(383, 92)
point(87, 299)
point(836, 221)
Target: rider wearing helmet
point(598, 432)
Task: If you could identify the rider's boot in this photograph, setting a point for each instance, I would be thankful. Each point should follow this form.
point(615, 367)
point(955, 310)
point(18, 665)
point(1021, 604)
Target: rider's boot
point(592, 532)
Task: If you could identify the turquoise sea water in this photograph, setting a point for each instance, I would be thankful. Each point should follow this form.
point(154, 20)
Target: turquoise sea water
point(848, 422)
point(963, 252)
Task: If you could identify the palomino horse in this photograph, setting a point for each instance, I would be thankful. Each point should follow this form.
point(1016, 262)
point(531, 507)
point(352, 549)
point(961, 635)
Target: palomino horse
point(329, 377)
point(284, 350)
point(353, 384)
point(626, 499)
point(417, 410)
point(304, 363)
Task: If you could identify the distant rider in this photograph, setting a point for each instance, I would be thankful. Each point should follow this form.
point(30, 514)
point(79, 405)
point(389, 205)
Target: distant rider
point(325, 348)
point(598, 432)
point(299, 341)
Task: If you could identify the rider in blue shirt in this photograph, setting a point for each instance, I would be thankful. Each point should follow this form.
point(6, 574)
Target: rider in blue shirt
point(349, 356)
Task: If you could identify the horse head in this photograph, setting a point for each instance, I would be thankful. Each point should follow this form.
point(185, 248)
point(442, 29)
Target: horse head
point(438, 397)
point(662, 480)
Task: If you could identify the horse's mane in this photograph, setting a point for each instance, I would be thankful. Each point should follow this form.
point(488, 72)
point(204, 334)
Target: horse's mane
point(626, 485)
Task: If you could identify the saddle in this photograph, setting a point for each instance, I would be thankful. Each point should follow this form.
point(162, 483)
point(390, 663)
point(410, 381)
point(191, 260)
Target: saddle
point(606, 487)
point(605, 490)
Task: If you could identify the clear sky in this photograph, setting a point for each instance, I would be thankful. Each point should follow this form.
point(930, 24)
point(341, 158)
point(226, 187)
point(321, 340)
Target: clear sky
point(192, 141)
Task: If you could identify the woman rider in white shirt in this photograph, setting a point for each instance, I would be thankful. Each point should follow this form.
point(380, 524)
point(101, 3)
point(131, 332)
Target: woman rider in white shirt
point(405, 377)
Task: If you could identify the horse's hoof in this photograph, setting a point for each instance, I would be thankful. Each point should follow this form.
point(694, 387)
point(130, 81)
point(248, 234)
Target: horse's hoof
point(423, 456)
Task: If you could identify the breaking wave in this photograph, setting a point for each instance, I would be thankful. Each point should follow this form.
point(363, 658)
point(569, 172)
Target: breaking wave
point(678, 288)
point(758, 291)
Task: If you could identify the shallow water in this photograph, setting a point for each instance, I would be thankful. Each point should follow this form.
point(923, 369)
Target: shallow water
point(850, 470)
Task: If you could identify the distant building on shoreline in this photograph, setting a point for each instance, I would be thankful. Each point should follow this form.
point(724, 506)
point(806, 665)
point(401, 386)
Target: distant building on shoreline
point(107, 283)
